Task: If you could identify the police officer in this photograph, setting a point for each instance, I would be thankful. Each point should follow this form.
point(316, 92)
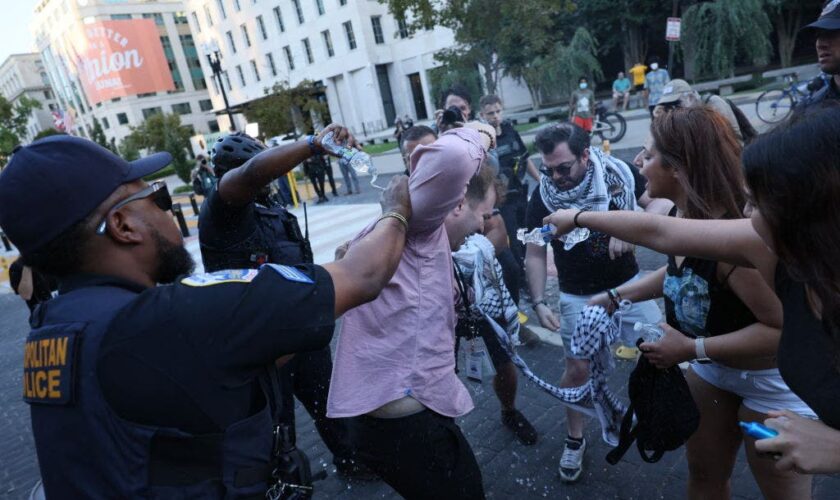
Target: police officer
point(241, 227)
point(138, 390)
point(826, 30)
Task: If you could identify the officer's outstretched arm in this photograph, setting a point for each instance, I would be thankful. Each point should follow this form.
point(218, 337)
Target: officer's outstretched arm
point(370, 262)
point(242, 184)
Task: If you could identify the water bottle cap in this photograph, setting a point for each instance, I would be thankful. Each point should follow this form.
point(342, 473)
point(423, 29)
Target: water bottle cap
point(638, 326)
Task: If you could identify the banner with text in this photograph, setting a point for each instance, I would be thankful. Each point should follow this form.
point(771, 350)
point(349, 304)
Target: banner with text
point(120, 58)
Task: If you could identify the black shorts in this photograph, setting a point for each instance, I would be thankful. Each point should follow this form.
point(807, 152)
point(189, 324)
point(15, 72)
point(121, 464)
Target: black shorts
point(494, 348)
point(640, 87)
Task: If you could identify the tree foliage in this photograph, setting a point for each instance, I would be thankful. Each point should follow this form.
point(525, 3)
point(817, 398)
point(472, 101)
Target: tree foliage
point(787, 16)
point(627, 24)
point(161, 132)
point(286, 109)
point(13, 119)
point(46, 133)
point(723, 30)
point(456, 68)
point(97, 135)
point(553, 76)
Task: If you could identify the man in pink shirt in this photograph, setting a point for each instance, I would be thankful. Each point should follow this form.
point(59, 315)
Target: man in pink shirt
point(395, 364)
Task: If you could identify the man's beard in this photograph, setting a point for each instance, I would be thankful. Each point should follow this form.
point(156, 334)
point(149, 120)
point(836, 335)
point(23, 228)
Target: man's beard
point(172, 260)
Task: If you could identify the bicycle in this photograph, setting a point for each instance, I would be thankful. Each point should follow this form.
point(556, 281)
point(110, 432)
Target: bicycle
point(609, 126)
point(775, 105)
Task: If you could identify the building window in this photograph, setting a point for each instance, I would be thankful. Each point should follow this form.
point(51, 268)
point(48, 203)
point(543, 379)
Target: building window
point(351, 38)
point(48, 94)
point(328, 43)
point(221, 5)
point(105, 123)
point(118, 17)
point(289, 59)
point(245, 36)
point(215, 85)
point(279, 17)
point(307, 50)
point(181, 18)
point(403, 28)
point(205, 105)
point(319, 4)
point(195, 21)
point(173, 66)
point(208, 16)
point(241, 74)
point(226, 79)
point(182, 108)
point(231, 42)
point(298, 10)
point(236, 6)
point(255, 69)
point(213, 125)
point(157, 16)
point(269, 58)
point(342, 2)
point(147, 112)
point(376, 22)
point(261, 27)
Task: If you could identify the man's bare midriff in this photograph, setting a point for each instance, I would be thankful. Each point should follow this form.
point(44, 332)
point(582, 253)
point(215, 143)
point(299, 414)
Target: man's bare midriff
point(398, 408)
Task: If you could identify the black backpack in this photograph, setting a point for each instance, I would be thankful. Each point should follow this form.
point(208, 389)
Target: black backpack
point(666, 415)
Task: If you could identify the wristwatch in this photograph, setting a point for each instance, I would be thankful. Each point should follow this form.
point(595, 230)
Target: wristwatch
point(700, 350)
point(538, 302)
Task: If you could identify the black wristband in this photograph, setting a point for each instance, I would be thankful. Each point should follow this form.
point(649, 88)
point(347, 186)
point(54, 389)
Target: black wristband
point(575, 220)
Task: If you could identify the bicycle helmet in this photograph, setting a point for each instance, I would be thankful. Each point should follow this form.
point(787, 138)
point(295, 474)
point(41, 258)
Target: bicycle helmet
point(232, 151)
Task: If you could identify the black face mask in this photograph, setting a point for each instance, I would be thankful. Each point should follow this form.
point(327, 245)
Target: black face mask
point(172, 260)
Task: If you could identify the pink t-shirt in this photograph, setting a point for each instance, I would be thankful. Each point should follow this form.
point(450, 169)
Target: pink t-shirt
point(402, 343)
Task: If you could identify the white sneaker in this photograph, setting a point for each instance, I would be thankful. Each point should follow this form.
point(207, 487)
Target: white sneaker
point(571, 463)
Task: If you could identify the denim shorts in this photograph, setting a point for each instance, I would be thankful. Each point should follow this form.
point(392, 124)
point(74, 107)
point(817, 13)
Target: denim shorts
point(571, 306)
point(760, 390)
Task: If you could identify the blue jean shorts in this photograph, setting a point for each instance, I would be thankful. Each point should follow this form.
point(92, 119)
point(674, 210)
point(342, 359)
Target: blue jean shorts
point(571, 306)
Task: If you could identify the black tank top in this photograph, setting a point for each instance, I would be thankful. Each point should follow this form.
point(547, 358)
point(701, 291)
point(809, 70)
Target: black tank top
point(806, 355)
point(697, 304)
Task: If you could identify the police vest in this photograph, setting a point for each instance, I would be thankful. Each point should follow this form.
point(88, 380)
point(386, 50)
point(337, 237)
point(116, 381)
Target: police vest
point(86, 451)
point(277, 239)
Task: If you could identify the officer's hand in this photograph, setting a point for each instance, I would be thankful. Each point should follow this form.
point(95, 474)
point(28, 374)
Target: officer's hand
point(395, 198)
point(618, 248)
point(342, 136)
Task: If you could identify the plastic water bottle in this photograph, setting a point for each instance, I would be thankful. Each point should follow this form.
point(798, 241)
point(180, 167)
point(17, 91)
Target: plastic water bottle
point(649, 332)
point(543, 235)
point(757, 430)
point(358, 160)
point(538, 236)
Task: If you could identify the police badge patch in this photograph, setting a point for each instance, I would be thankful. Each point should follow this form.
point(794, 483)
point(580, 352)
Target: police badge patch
point(219, 277)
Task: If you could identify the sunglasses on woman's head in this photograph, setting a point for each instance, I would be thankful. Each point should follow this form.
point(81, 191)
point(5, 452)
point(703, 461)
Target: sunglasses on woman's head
point(157, 191)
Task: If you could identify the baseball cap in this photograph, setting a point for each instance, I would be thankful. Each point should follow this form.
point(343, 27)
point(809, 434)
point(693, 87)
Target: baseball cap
point(829, 18)
point(673, 91)
point(57, 181)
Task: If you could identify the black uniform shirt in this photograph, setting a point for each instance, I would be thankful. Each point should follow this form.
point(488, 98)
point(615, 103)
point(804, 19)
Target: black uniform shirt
point(509, 147)
point(188, 356)
point(221, 225)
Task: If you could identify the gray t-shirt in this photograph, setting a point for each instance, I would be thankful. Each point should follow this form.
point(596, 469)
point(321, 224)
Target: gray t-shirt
point(583, 103)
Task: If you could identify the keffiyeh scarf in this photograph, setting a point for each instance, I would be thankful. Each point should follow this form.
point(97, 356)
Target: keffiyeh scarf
point(607, 178)
point(594, 332)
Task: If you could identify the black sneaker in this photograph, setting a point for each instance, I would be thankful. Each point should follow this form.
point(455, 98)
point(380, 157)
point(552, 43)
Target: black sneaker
point(348, 468)
point(516, 422)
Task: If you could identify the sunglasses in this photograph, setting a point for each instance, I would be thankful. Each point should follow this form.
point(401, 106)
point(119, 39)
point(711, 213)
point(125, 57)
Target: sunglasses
point(563, 169)
point(157, 191)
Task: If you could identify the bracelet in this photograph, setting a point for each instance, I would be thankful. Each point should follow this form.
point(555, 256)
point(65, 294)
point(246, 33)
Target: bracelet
point(700, 350)
point(313, 148)
point(395, 215)
point(575, 220)
point(538, 302)
point(614, 296)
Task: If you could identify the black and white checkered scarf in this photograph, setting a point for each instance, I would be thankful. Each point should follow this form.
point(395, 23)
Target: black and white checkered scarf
point(594, 333)
point(607, 178)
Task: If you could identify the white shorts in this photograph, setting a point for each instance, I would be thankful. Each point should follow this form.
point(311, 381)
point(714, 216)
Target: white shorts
point(571, 306)
point(760, 390)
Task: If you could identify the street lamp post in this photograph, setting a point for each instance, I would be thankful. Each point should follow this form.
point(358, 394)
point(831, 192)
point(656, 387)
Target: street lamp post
point(214, 58)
